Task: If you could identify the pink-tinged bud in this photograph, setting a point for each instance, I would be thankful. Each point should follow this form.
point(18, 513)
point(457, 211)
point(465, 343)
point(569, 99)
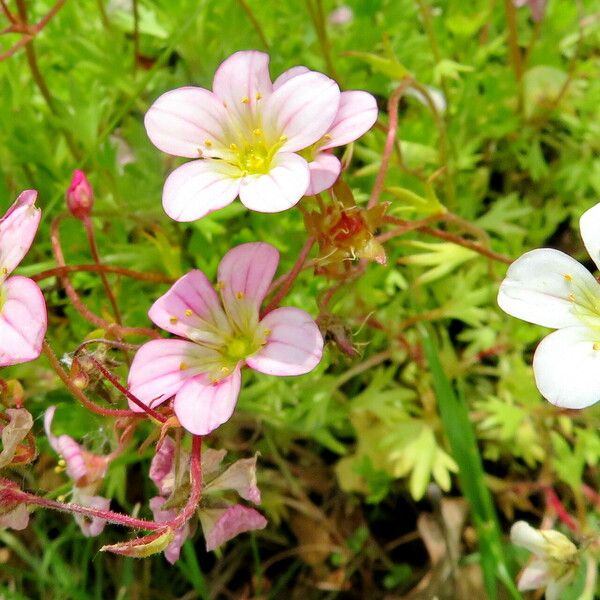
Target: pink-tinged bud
point(80, 196)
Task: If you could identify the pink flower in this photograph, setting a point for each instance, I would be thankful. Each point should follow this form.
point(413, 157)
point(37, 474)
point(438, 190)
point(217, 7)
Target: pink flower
point(86, 470)
point(223, 524)
point(80, 195)
point(203, 370)
point(246, 133)
point(23, 318)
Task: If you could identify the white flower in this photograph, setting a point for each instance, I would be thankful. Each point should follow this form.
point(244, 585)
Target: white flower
point(549, 288)
point(555, 562)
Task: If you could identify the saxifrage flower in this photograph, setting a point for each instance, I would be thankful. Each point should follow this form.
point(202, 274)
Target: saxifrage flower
point(248, 135)
point(221, 333)
point(23, 317)
point(547, 287)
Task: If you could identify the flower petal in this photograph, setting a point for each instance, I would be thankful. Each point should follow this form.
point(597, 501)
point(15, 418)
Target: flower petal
point(356, 114)
point(302, 109)
point(546, 287)
point(198, 188)
point(182, 121)
point(589, 225)
point(289, 74)
point(566, 367)
point(294, 345)
point(161, 367)
point(90, 527)
point(173, 550)
point(241, 477)
point(202, 406)
point(524, 535)
point(242, 82)
point(534, 576)
point(191, 309)
point(279, 189)
point(17, 231)
point(162, 466)
point(17, 518)
point(221, 525)
point(23, 321)
point(247, 270)
point(324, 171)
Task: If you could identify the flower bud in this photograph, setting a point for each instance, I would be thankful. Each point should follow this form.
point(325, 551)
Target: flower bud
point(80, 196)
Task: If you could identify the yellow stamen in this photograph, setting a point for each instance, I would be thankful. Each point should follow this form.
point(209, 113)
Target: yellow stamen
point(283, 138)
point(326, 137)
point(240, 295)
point(173, 320)
point(208, 143)
point(233, 147)
point(183, 366)
point(258, 95)
point(219, 285)
point(571, 297)
point(568, 277)
point(596, 346)
point(188, 312)
point(257, 132)
point(245, 100)
point(224, 370)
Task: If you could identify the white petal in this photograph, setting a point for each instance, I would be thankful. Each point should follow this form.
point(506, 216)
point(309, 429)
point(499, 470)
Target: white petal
point(534, 576)
point(547, 287)
point(589, 225)
point(567, 367)
point(198, 188)
point(281, 188)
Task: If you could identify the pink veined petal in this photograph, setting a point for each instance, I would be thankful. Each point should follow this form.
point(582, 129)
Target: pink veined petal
point(356, 114)
point(289, 74)
point(324, 171)
point(16, 519)
point(198, 188)
point(589, 225)
point(534, 576)
point(279, 189)
point(162, 466)
point(202, 406)
point(160, 368)
point(294, 345)
point(173, 550)
point(247, 269)
point(182, 121)
point(191, 309)
point(91, 527)
point(17, 231)
point(302, 109)
point(221, 525)
point(23, 321)
point(566, 366)
point(243, 83)
point(241, 477)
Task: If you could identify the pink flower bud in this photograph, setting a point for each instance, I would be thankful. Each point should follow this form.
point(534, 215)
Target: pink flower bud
point(80, 195)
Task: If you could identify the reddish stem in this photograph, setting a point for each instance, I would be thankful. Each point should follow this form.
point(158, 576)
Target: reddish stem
point(553, 501)
point(290, 277)
point(65, 270)
point(393, 104)
point(195, 483)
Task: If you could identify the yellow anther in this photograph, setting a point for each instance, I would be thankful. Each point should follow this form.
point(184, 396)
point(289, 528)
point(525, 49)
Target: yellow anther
point(61, 462)
point(283, 138)
point(4, 270)
point(245, 100)
point(233, 147)
point(58, 469)
point(326, 137)
point(240, 295)
point(189, 312)
point(225, 370)
point(257, 132)
point(568, 277)
point(208, 143)
point(183, 366)
point(219, 285)
point(571, 297)
point(596, 346)
point(267, 332)
point(61, 498)
point(173, 320)
point(258, 95)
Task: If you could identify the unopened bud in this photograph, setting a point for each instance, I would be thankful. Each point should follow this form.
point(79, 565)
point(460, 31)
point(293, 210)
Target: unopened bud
point(80, 196)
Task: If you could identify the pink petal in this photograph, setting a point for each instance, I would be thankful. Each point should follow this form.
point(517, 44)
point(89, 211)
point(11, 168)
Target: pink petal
point(289, 74)
point(16, 519)
point(241, 477)
point(201, 406)
point(302, 109)
point(243, 83)
point(222, 525)
point(535, 575)
point(181, 121)
point(160, 368)
point(191, 308)
point(90, 527)
point(356, 114)
point(247, 270)
point(173, 550)
point(324, 171)
point(162, 467)
point(198, 188)
point(294, 346)
point(23, 321)
point(17, 231)
point(279, 189)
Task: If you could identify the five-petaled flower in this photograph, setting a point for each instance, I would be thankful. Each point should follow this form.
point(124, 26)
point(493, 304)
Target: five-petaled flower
point(253, 137)
point(203, 370)
point(549, 288)
point(86, 470)
point(23, 318)
point(555, 560)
